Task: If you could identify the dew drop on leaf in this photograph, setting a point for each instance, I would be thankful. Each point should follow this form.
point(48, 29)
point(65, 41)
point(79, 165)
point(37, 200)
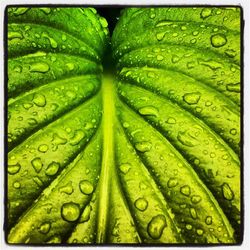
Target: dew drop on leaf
point(230, 52)
point(218, 40)
point(86, 187)
point(149, 110)
point(14, 35)
point(192, 98)
point(27, 105)
point(86, 214)
point(189, 227)
point(16, 185)
point(233, 87)
point(52, 168)
point(37, 164)
point(227, 192)
point(58, 140)
point(14, 169)
point(39, 100)
point(38, 181)
point(20, 11)
point(39, 67)
point(199, 232)
point(67, 189)
point(78, 136)
point(156, 226)
point(56, 239)
point(193, 213)
point(45, 10)
point(143, 146)
point(185, 190)
point(43, 148)
point(171, 120)
point(209, 220)
point(159, 57)
point(172, 182)
point(70, 211)
point(44, 228)
point(125, 167)
point(206, 12)
point(195, 199)
point(52, 41)
point(141, 204)
point(160, 36)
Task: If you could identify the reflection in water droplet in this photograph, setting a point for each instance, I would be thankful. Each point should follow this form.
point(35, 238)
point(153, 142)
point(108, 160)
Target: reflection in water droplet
point(227, 192)
point(141, 204)
point(125, 167)
point(156, 226)
point(218, 40)
point(70, 211)
point(86, 187)
point(37, 164)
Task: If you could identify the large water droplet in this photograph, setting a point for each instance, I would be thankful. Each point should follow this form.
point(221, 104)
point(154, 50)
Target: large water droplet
point(70, 211)
point(39, 100)
point(143, 146)
point(218, 40)
point(37, 164)
point(141, 204)
point(78, 136)
point(227, 192)
point(52, 41)
point(192, 98)
point(206, 12)
point(149, 110)
point(44, 228)
point(14, 169)
point(125, 167)
point(39, 67)
point(185, 190)
point(86, 187)
point(52, 168)
point(67, 189)
point(172, 182)
point(58, 140)
point(156, 226)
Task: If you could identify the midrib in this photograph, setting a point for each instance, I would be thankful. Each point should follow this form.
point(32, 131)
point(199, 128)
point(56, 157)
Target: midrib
point(108, 154)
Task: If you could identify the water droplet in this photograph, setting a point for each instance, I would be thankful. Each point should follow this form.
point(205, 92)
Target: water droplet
point(103, 22)
point(52, 168)
point(67, 189)
point(39, 67)
point(211, 64)
point(43, 148)
point(171, 120)
point(187, 139)
point(230, 52)
point(37, 164)
point(38, 181)
point(192, 98)
point(233, 87)
point(143, 186)
point(175, 34)
point(195, 199)
point(194, 40)
point(206, 12)
point(70, 66)
point(209, 220)
point(86, 187)
point(141, 204)
point(199, 232)
point(45, 10)
point(70, 211)
point(144, 146)
point(160, 36)
point(27, 105)
point(233, 131)
point(193, 213)
point(125, 124)
point(218, 40)
point(185, 190)
point(54, 240)
point(20, 11)
point(52, 41)
point(44, 228)
point(39, 100)
point(159, 57)
point(227, 192)
point(152, 15)
point(149, 110)
point(86, 214)
point(175, 59)
point(156, 226)
point(125, 167)
point(14, 169)
point(76, 139)
point(195, 33)
point(58, 140)
point(14, 35)
point(16, 185)
point(189, 227)
point(172, 182)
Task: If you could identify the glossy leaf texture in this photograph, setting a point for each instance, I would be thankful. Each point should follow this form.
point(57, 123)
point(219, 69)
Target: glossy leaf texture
point(149, 154)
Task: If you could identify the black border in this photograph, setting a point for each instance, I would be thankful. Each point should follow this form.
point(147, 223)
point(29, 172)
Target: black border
point(99, 6)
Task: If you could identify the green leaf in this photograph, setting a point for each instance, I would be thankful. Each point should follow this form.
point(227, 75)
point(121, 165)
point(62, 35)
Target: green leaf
point(146, 153)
